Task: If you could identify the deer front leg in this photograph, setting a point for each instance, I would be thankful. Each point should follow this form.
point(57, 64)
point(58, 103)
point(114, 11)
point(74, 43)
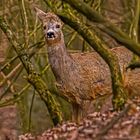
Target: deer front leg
point(77, 112)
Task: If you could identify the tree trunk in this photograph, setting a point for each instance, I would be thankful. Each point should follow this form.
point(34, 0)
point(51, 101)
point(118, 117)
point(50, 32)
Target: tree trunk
point(33, 77)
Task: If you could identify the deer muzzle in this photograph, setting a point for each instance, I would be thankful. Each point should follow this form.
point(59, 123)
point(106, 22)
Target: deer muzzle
point(50, 34)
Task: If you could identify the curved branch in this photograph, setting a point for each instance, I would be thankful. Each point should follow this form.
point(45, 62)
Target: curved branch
point(105, 25)
point(105, 53)
point(33, 77)
point(114, 120)
point(68, 16)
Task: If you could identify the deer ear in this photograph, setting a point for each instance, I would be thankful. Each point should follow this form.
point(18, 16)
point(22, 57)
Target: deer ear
point(40, 13)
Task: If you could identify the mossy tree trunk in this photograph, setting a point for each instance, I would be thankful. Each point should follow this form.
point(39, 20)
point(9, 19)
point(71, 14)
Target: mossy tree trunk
point(33, 77)
point(119, 97)
point(69, 18)
point(105, 25)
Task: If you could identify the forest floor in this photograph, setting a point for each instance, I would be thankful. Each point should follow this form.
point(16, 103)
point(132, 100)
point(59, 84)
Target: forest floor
point(110, 125)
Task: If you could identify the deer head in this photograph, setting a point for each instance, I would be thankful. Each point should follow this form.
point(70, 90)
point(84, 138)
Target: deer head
point(52, 27)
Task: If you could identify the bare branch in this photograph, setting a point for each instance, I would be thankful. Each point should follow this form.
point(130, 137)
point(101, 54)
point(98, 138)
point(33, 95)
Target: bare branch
point(33, 77)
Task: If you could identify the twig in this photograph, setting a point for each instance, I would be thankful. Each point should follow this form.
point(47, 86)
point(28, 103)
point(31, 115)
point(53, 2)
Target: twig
point(30, 112)
point(8, 63)
point(6, 77)
point(6, 80)
point(25, 21)
point(33, 77)
point(35, 47)
point(119, 93)
point(13, 80)
point(133, 65)
point(134, 30)
point(114, 120)
point(105, 25)
point(16, 97)
point(71, 39)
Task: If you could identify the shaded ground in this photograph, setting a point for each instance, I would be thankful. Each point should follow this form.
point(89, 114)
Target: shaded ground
point(124, 125)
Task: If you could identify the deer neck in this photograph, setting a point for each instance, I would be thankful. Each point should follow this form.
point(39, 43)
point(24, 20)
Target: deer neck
point(59, 59)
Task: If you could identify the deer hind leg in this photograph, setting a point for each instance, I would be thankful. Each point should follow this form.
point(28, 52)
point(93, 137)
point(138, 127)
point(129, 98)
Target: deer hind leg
point(77, 113)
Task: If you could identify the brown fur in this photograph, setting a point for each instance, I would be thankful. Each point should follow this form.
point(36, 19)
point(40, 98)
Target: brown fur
point(84, 76)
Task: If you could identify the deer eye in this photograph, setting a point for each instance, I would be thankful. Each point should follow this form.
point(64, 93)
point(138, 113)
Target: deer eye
point(57, 26)
point(44, 27)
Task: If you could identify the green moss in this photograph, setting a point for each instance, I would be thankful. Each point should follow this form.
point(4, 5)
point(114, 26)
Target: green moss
point(33, 77)
point(119, 92)
point(47, 97)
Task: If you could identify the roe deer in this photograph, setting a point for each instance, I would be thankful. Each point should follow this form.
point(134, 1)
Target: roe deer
point(82, 76)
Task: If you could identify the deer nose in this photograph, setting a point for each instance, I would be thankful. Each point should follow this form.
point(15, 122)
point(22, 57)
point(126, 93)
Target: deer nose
point(50, 35)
